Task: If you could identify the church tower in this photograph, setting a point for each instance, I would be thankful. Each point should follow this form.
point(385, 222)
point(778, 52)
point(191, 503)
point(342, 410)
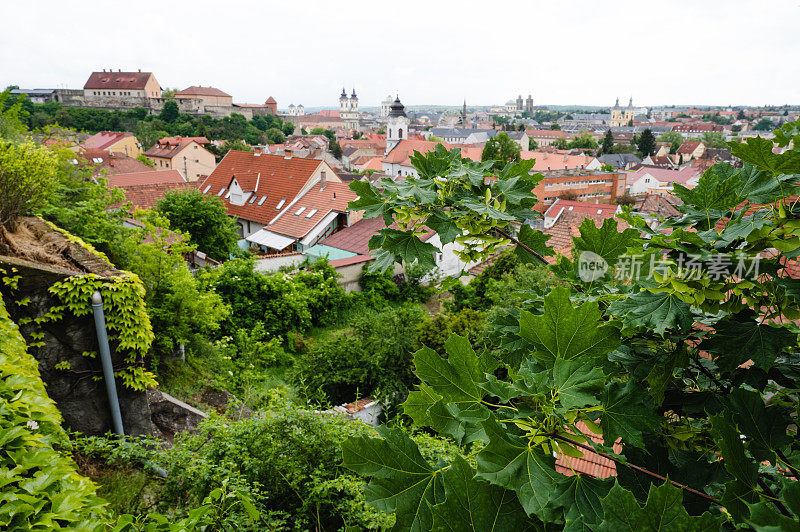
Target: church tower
point(519, 104)
point(629, 112)
point(354, 103)
point(529, 105)
point(397, 125)
point(343, 102)
point(464, 122)
point(617, 120)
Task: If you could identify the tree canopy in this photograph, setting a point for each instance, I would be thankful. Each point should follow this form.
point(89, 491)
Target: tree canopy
point(501, 150)
point(203, 218)
point(670, 349)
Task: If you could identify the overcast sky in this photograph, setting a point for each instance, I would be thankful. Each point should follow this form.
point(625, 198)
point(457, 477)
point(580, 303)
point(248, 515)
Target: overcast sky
point(431, 52)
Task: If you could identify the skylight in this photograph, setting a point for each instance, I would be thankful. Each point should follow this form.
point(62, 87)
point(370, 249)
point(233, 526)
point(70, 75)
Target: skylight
point(311, 213)
point(221, 191)
point(207, 189)
point(253, 199)
point(299, 211)
point(97, 160)
point(261, 201)
point(228, 195)
point(280, 204)
point(599, 211)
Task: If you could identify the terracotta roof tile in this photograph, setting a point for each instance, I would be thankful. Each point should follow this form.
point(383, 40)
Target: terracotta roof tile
point(195, 90)
point(146, 196)
point(118, 80)
point(320, 201)
point(151, 177)
point(104, 139)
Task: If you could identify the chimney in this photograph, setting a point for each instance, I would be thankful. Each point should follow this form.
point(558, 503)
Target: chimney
point(119, 70)
point(140, 70)
point(104, 70)
point(287, 153)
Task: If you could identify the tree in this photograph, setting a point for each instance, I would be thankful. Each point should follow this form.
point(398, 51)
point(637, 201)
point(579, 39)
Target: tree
point(701, 419)
point(335, 148)
point(626, 200)
point(608, 142)
point(584, 141)
point(555, 127)
point(203, 218)
point(532, 144)
point(27, 172)
point(647, 143)
point(288, 128)
point(714, 139)
point(170, 112)
point(674, 138)
point(148, 135)
point(765, 124)
point(500, 149)
point(560, 143)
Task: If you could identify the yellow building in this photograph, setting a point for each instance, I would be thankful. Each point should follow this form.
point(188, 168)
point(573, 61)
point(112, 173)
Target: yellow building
point(622, 117)
point(114, 142)
point(184, 154)
point(210, 96)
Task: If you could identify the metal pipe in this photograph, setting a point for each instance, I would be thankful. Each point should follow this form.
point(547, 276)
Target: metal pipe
point(105, 359)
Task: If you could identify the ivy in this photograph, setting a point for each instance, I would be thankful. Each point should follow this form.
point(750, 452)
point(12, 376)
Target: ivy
point(127, 320)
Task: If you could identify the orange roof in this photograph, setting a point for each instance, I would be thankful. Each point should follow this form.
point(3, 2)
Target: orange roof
point(169, 147)
point(195, 90)
point(272, 176)
point(308, 210)
point(146, 178)
point(118, 80)
point(689, 146)
point(591, 463)
point(105, 139)
point(546, 133)
point(147, 195)
point(400, 154)
point(104, 162)
point(555, 161)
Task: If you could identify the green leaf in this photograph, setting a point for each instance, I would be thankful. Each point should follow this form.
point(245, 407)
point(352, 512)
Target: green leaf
point(508, 461)
point(626, 414)
point(566, 331)
point(740, 337)
point(762, 187)
point(444, 226)
point(476, 505)
point(765, 518)
point(369, 200)
point(715, 194)
point(653, 311)
point(418, 403)
point(463, 423)
point(576, 383)
point(456, 378)
point(765, 426)
point(758, 152)
point(606, 241)
point(480, 207)
point(582, 498)
point(405, 246)
point(663, 511)
point(535, 240)
point(402, 481)
point(742, 490)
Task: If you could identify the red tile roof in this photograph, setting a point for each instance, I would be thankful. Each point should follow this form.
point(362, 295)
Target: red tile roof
point(169, 147)
point(118, 80)
point(105, 163)
point(688, 147)
point(591, 463)
point(663, 175)
point(555, 161)
point(355, 238)
point(104, 139)
point(146, 196)
point(151, 177)
point(400, 154)
point(357, 259)
point(272, 176)
point(582, 207)
point(334, 197)
point(196, 90)
point(546, 133)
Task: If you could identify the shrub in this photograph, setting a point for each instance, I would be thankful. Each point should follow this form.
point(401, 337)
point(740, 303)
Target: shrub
point(325, 297)
point(372, 359)
point(27, 178)
point(435, 331)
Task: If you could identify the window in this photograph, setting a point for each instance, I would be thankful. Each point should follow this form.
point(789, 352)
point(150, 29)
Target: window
point(97, 160)
point(207, 189)
point(299, 211)
point(400, 133)
point(261, 201)
point(311, 213)
point(253, 199)
point(221, 191)
point(280, 204)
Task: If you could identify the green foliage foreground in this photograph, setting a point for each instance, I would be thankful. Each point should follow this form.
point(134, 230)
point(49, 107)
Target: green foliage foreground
point(693, 372)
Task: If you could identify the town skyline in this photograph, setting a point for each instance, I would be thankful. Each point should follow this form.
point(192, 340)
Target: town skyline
point(440, 58)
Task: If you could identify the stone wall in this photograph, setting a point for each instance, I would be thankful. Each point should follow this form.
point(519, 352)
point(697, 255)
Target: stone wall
point(82, 399)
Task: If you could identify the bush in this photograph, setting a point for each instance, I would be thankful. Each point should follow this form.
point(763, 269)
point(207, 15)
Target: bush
point(275, 299)
point(435, 331)
point(325, 297)
point(374, 358)
point(27, 172)
point(377, 287)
